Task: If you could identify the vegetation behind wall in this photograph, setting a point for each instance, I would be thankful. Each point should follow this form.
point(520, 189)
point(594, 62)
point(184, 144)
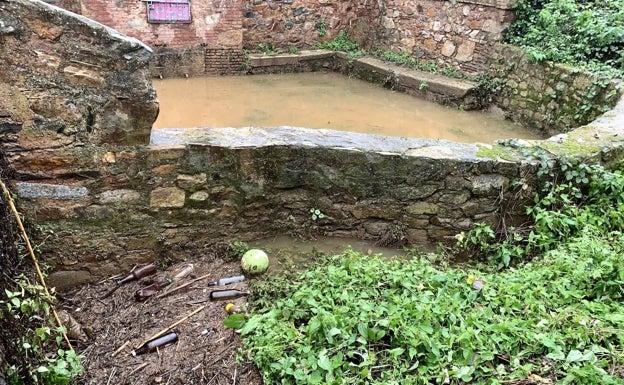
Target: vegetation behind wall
point(583, 33)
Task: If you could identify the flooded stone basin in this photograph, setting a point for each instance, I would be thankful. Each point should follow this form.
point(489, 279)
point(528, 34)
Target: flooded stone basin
point(321, 100)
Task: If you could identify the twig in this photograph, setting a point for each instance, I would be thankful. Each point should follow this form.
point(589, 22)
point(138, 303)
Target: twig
point(183, 286)
point(122, 347)
point(34, 258)
point(138, 368)
point(165, 330)
point(234, 378)
point(111, 376)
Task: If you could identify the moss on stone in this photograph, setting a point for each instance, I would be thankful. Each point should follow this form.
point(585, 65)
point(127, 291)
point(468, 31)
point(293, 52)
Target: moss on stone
point(496, 152)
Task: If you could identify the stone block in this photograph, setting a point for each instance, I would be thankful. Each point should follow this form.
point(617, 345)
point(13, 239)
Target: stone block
point(167, 197)
point(420, 208)
point(119, 196)
point(52, 191)
point(187, 181)
point(66, 279)
point(488, 184)
point(465, 51)
point(199, 196)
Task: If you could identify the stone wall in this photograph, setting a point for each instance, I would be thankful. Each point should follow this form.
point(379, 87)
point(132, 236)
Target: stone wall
point(305, 23)
point(67, 81)
point(454, 33)
point(553, 98)
point(171, 201)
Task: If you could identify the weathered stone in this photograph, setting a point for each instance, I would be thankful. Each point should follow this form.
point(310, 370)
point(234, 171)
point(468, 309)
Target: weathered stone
point(456, 197)
point(465, 51)
point(369, 210)
point(420, 208)
point(167, 197)
point(233, 38)
point(416, 236)
point(119, 196)
point(388, 23)
point(53, 191)
point(187, 181)
point(488, 184)
point(199, 196)
point(83, 76)
point(64, 280)
point(77, 68)
point(448, 49)
point(109, 157)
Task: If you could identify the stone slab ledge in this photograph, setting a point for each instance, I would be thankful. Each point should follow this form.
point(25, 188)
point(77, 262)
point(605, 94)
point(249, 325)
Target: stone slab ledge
point(418, 79)
point(405, 77)
point(260, 60)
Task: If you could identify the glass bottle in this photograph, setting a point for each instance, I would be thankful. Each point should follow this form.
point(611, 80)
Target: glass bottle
point(148, 291)
point(138, 273)
point(227, 281)
point(219, 295)
point(188, 268)
point(157, 343)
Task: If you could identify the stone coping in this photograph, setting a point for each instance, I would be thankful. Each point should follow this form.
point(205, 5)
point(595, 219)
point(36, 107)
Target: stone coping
point(408, 77)
point(311, 137)
point(414, 78)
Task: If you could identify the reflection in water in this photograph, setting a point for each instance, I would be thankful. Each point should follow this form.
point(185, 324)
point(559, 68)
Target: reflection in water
point(320, 100)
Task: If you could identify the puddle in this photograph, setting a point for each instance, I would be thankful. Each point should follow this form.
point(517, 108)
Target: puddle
point(321, 100)
point(287, 253)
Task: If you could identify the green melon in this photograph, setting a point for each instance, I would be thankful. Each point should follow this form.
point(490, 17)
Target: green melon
point(255, 261)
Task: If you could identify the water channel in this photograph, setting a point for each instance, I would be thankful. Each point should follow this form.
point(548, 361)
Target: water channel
point(321, 100)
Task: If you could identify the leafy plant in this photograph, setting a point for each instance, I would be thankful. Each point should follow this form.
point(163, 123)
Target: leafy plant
point(30, 303)
point(342, 42)
point(585, 33)
point(267, 48)
point(556, 317)
point(316, 214)
point(238, 248)
point(368, 320)
point(321, 27)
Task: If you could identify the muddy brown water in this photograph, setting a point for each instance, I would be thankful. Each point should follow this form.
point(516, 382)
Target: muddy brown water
point(321, 100)
point(289, 254)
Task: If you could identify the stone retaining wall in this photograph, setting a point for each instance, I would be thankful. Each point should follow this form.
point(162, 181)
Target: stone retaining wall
point(553, 98)
point(454, 33)
point(171, 200)
point(66, 81)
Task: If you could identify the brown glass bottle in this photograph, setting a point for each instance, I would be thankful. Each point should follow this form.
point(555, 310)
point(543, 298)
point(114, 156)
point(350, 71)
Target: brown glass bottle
point(138, 273)
point(148, 291)
point(157, 343)
point(220, 295)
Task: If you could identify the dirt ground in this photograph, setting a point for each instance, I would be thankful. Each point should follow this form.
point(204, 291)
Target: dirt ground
point(205, 353)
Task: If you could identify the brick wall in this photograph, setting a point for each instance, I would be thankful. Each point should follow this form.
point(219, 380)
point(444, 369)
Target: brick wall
point(215, 24)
